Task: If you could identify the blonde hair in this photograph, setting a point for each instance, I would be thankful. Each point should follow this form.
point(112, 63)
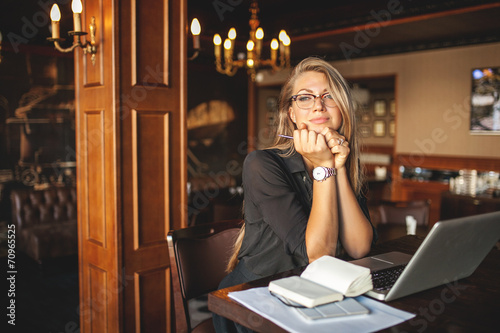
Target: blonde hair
point(341, 93)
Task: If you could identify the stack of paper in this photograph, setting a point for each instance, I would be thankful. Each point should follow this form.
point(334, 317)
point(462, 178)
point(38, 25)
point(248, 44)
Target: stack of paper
point(263, 303)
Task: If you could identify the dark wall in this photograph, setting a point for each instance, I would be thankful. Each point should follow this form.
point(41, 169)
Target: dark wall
point(220, 149)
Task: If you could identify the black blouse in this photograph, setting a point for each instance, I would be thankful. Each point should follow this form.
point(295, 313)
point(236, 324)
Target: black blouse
point(278, 199)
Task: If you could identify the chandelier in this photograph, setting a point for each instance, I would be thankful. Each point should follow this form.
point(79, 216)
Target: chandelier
point(253, 59)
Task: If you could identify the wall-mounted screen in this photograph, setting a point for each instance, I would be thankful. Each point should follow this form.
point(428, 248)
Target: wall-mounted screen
point(485, 101)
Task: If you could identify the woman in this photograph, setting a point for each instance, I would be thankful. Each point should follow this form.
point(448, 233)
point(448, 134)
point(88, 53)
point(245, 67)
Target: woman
point(303, 196)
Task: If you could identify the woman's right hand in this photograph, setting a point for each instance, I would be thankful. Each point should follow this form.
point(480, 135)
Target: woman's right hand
point(313, 147)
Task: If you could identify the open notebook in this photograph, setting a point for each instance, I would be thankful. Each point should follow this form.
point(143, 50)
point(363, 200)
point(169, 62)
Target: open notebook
point(452, 250)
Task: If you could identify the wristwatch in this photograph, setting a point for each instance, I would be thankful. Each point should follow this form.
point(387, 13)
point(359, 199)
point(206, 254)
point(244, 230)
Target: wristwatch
point(321, 173)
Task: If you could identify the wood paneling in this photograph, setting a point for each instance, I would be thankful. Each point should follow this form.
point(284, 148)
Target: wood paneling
point(93, 139)
point(150, 175)
point(147, 296)
point(97, 159)
point(150, 29)
point(98, 290)
point(131, 164)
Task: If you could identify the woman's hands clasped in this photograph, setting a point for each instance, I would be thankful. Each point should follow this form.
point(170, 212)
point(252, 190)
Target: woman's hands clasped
point(327, 148)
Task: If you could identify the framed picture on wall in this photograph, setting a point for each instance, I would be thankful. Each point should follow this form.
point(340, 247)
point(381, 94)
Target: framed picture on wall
point(392, 107)
point(379, 108)
point(485, 101)
point(392, 128)
point(379, 128)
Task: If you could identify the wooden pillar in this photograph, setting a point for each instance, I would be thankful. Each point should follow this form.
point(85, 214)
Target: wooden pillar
point(131, 162)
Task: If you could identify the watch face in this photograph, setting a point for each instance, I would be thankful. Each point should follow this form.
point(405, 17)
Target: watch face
point(319, 173)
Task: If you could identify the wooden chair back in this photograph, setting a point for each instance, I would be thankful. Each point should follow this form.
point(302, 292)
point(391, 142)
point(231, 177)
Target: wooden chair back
point(396, 211)
point(198, 259)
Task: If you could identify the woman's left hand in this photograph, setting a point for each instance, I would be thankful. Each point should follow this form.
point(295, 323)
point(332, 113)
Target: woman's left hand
point(338, 146)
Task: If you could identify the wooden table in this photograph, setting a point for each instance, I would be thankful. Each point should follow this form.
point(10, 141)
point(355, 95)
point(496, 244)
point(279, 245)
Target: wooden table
point(468, 305)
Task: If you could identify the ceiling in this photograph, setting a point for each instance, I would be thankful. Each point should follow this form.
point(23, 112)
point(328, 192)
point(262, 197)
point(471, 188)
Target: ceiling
point(316, 27)
point(352, 29)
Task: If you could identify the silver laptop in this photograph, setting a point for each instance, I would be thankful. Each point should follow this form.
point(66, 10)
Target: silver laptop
point(452, 250)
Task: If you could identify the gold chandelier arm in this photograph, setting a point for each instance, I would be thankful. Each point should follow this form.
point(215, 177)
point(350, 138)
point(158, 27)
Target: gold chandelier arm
point(220, 70)
point(194, 56)
point(69, 49)
point(237, 64)
point(227, 70)
point(87, 47)
point(230, 67)
point(272, 63)
point(232, 71)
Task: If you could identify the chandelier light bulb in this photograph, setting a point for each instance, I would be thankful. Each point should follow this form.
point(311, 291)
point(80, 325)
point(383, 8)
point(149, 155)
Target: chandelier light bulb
point(217, 42)
point(217, 39)
point(227, 44)
point(282, 36)
point(250, 53)
point(232, 33)
point(259, 34)
point(55, 16)
point(76, 6)
point(196, 30)
point(286, 40)
point(274, 44)
point(195, 27)
point(250, 45)
point(55, 13)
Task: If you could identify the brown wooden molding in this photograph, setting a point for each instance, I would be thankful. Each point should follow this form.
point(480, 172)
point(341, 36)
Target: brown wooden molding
point(388, 150)
point(395, 21)
point(448, 162)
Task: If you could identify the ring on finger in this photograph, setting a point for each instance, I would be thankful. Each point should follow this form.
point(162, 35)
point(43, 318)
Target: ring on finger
point(340, 141)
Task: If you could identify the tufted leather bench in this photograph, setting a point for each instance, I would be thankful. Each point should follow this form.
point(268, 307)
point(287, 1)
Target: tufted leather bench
point(46, 222)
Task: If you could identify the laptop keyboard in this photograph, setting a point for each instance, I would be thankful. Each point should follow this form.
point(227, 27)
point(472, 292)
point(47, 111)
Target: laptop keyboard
point(384, 279)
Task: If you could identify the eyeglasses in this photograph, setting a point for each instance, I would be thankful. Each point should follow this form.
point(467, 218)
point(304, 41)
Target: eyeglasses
point(306, 101)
